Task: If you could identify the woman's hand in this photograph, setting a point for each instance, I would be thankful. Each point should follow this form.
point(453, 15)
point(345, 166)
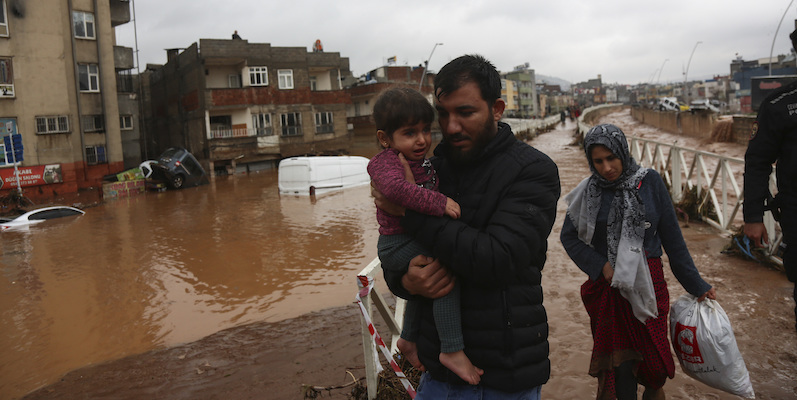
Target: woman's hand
point(711, 294)
point(608, 272)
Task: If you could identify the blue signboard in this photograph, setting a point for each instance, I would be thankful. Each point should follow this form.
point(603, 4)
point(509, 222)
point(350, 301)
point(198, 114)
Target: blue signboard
point(13, 144)
point(8, 126)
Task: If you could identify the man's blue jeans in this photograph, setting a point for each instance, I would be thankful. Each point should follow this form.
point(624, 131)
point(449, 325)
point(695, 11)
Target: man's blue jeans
point(430, 389)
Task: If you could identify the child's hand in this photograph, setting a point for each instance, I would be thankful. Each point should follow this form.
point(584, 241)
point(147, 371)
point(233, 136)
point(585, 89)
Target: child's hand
point(452, 208)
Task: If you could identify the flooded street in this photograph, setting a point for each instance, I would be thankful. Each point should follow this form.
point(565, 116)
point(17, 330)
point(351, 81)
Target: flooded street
point(154, 271)
point(165, 268)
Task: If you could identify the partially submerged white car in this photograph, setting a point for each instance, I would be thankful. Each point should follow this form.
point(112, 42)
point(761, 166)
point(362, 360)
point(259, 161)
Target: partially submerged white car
point(38, 215)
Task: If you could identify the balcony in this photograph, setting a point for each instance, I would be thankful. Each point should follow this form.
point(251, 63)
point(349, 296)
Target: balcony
point(120, 12)
point(123, 57)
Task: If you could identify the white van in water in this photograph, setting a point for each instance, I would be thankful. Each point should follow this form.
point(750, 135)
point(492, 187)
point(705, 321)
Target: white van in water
point(321, 174)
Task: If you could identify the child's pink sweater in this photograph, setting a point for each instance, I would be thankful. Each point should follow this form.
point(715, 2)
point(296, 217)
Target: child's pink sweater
point(388, 177)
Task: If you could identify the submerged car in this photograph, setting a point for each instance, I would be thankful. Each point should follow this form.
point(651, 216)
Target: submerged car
point(178, 167)
point(38, 215)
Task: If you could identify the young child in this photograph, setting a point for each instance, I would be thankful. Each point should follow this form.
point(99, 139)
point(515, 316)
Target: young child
point(403, 119)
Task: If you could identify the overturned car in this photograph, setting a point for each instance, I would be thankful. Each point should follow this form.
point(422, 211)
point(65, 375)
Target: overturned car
point(178, 168)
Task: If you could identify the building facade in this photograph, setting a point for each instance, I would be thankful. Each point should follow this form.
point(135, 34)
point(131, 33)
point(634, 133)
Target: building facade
point(526, 87)
point(58, 91)
point(369, 86)
point(242, 106)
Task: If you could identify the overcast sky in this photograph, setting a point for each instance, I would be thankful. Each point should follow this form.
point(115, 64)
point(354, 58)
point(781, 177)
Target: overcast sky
point(624, 41)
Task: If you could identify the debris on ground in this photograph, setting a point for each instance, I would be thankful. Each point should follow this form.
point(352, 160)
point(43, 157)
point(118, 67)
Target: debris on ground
point(741, 246)
point(389, 386)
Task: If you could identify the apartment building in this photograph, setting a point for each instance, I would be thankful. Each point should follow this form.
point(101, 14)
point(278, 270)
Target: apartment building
point(59, 66)
point(241, 106)
point(510, 96)
point(528, 105)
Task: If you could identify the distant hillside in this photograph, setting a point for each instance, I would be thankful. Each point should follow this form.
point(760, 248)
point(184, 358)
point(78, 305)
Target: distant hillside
point(565, 85)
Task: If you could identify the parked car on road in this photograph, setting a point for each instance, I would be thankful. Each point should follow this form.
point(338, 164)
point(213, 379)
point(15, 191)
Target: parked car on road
point(178, 167)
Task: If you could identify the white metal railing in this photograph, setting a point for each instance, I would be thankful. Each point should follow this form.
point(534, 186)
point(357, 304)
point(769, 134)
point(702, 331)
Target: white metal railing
point(239, 132)
point(522, 124)
point(394, 321)
point(715, 175)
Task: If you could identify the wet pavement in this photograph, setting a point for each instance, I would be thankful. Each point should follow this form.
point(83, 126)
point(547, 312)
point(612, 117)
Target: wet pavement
point(149, 272)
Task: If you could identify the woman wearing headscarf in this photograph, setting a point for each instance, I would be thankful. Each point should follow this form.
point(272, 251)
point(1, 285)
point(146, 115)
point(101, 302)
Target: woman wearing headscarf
point(617, 221)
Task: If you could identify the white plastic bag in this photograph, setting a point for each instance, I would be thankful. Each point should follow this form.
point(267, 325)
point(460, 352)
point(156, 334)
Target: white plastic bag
point(704, 343)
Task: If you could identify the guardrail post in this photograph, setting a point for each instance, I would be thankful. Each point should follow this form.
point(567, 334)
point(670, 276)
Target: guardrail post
point(675, 163)
point(393, 321)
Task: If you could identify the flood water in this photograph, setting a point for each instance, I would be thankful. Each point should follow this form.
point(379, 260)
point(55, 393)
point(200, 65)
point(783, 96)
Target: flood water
point(138, 274)
point(165, 268)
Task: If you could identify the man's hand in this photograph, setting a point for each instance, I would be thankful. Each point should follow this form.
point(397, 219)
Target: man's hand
point(384, 204)
point(407, 170)
point(428, 278)
point(757, 233)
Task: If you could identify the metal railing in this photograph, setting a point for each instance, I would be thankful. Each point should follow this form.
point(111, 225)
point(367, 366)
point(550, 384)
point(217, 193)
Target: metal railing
point(240, 132)
point(394, 321)
point(231, 133)
point(519, 125)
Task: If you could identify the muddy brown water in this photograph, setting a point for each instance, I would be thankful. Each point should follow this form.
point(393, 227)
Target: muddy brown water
point(138, 274)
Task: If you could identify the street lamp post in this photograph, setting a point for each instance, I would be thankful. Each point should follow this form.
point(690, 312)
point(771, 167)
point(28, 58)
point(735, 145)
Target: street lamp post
point(686, 73)
point(659, 77)
point(771, 49)
point(426, 67)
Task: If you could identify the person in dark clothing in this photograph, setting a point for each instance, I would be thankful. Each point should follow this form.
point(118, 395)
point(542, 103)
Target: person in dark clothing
point(774, 139)
point(235, 35)
point(507, 191)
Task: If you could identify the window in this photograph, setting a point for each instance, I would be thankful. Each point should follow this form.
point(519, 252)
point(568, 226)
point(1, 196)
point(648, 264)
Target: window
point(233, 81)
point(95, 155)
point(6, 78)
point(89, 77)
point(313, 83)
point(124, 81)
point(285, 78)
point(93, 123)
point(291, 124)
point(52, 124)
point(3, 19)
point(262, 124)
point(84, 24)
point(323, 122)
point(258, 76)
point(125, 122)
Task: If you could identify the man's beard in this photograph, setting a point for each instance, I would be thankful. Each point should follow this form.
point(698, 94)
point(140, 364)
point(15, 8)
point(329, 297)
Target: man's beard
point(459, 157)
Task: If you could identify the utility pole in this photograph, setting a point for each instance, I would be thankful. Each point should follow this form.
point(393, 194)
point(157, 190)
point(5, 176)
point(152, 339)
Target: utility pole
point(686, 74)
point(426, 67)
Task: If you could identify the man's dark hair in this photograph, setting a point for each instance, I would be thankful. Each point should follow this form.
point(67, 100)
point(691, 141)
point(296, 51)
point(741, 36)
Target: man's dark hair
point(401, 106)
point(469, 68)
